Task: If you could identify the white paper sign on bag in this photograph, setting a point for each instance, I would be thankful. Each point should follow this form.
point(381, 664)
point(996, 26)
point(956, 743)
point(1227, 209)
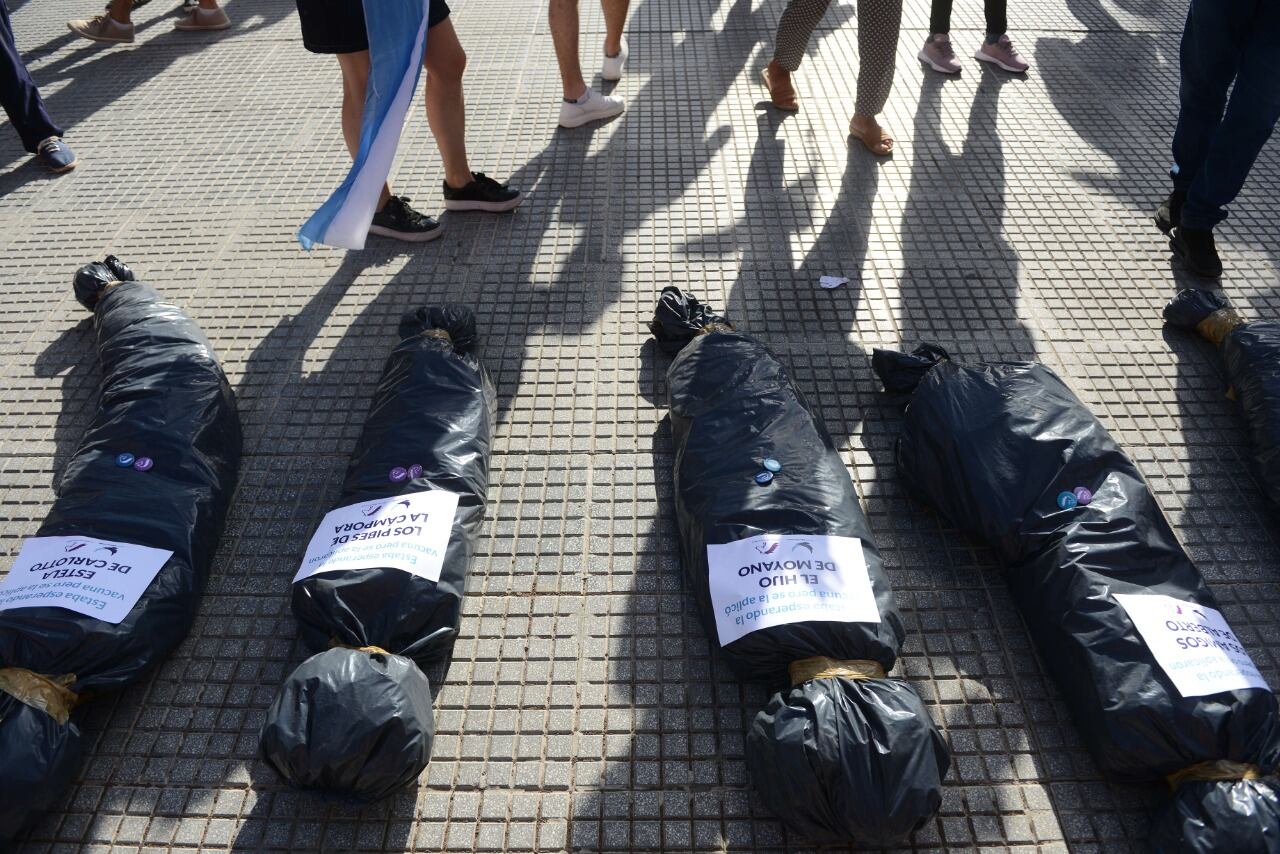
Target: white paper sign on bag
point(408, 532)
point(98, 578)
point(1192, 644)
point(774, 579)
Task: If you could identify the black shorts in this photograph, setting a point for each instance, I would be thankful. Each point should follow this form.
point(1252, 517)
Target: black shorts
point(337, 26)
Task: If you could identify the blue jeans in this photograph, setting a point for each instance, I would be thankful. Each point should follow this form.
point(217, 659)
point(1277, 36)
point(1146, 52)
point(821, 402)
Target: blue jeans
point(18, 93)
point(1213, 151)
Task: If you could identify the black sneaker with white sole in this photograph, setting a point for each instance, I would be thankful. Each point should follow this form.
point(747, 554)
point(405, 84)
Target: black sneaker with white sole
point(398, 220)
point(482, 194)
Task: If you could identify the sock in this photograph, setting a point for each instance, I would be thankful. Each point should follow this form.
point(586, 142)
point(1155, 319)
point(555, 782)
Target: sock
point(581, 99)
point(992, 38)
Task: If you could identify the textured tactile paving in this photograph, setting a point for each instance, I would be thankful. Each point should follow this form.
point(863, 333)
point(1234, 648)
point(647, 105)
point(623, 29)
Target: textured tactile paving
point(585, 708)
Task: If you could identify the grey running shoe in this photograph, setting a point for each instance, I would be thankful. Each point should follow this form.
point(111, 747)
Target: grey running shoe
point(1003, 54)
point(938, 55)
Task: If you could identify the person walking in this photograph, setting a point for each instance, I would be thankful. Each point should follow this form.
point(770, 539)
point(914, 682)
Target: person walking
point(1226, 44)
point(25, 108)
point(878, 25)
point(116, 25)
point(582, 104)
point(338, 27)
point(996, 49)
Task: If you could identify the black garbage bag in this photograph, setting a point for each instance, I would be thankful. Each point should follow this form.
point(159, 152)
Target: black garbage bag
point(1158, 685)
point(1251, 355)
point(110, 583)
point(379, 596)
point(788, 581)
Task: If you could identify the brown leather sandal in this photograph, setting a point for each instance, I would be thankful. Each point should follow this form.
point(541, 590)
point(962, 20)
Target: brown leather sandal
point(876, 139)
point(781, 92)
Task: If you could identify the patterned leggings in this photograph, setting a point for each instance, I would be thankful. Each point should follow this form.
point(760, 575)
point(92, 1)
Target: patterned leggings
point(878, 24)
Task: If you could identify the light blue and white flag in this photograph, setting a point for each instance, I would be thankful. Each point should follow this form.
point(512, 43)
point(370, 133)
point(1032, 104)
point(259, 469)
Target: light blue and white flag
point(397, 40)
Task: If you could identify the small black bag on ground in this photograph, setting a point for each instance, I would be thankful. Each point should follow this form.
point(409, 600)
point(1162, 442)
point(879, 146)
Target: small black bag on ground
point(847, 754)
point(1118, 612)
point(355, 719)
point(151, 479)
point(1251, 355)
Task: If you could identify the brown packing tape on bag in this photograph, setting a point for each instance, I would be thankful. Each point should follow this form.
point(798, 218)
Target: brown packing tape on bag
point(50, 694)
point(372, 650)
point(715, 327)
point(1214, 769)
point(438, 333)
point(821, 667)
point(1218, 325)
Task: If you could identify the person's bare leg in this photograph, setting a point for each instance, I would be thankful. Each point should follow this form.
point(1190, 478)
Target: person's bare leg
point(562, 16)
point(445, 61)
point(355, 79)
point(615, 18)
point(209, 4)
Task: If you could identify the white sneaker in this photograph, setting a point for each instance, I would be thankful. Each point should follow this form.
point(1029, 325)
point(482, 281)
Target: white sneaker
point(612, 68)
point(589, 109)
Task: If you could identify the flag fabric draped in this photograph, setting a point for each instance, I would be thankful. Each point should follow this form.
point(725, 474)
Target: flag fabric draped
point(397, 40)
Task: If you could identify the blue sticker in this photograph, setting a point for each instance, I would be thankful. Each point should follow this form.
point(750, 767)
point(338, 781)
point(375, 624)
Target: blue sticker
point(1067, 500)
point(764, 477)
point(772, 465)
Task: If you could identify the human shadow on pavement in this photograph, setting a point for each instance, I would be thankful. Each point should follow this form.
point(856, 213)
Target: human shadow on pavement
point(603, 203)
point(960, 274)
point(71, 356)
point(777, 212)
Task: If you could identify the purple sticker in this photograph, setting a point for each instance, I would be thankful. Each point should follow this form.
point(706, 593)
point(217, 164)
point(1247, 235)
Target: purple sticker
point(415, 471)
point(143, 464)
point(398, 474)
point(1083, 495)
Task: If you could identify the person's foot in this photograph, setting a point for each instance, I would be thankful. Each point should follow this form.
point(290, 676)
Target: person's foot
point(481, 194)
point(55, 155)
point(399, 221)
point(592, 106)
point(1000, 52)
point(612, 67)
point(875, 138)
point(938, 54)
point(199, 19)
point(1196, 249)
point(103, 28)
point(781, 92)
point(1169, 215)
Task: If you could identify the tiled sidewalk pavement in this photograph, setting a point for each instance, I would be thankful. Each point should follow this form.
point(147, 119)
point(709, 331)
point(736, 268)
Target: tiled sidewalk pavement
point(586, 708)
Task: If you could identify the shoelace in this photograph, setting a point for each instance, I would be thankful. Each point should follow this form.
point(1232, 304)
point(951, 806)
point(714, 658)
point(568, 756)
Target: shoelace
point(49, 145)
point(409, 213)
point(484, 180)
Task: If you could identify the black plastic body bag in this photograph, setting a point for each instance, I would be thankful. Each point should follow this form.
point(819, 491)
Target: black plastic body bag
point(997, 449)
point(1251, 356)
point(165, 401)
point(355, 718)
point(846, 754)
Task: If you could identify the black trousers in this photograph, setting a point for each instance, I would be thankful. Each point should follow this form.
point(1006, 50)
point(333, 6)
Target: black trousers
point(996, 12)
point(18, 92)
